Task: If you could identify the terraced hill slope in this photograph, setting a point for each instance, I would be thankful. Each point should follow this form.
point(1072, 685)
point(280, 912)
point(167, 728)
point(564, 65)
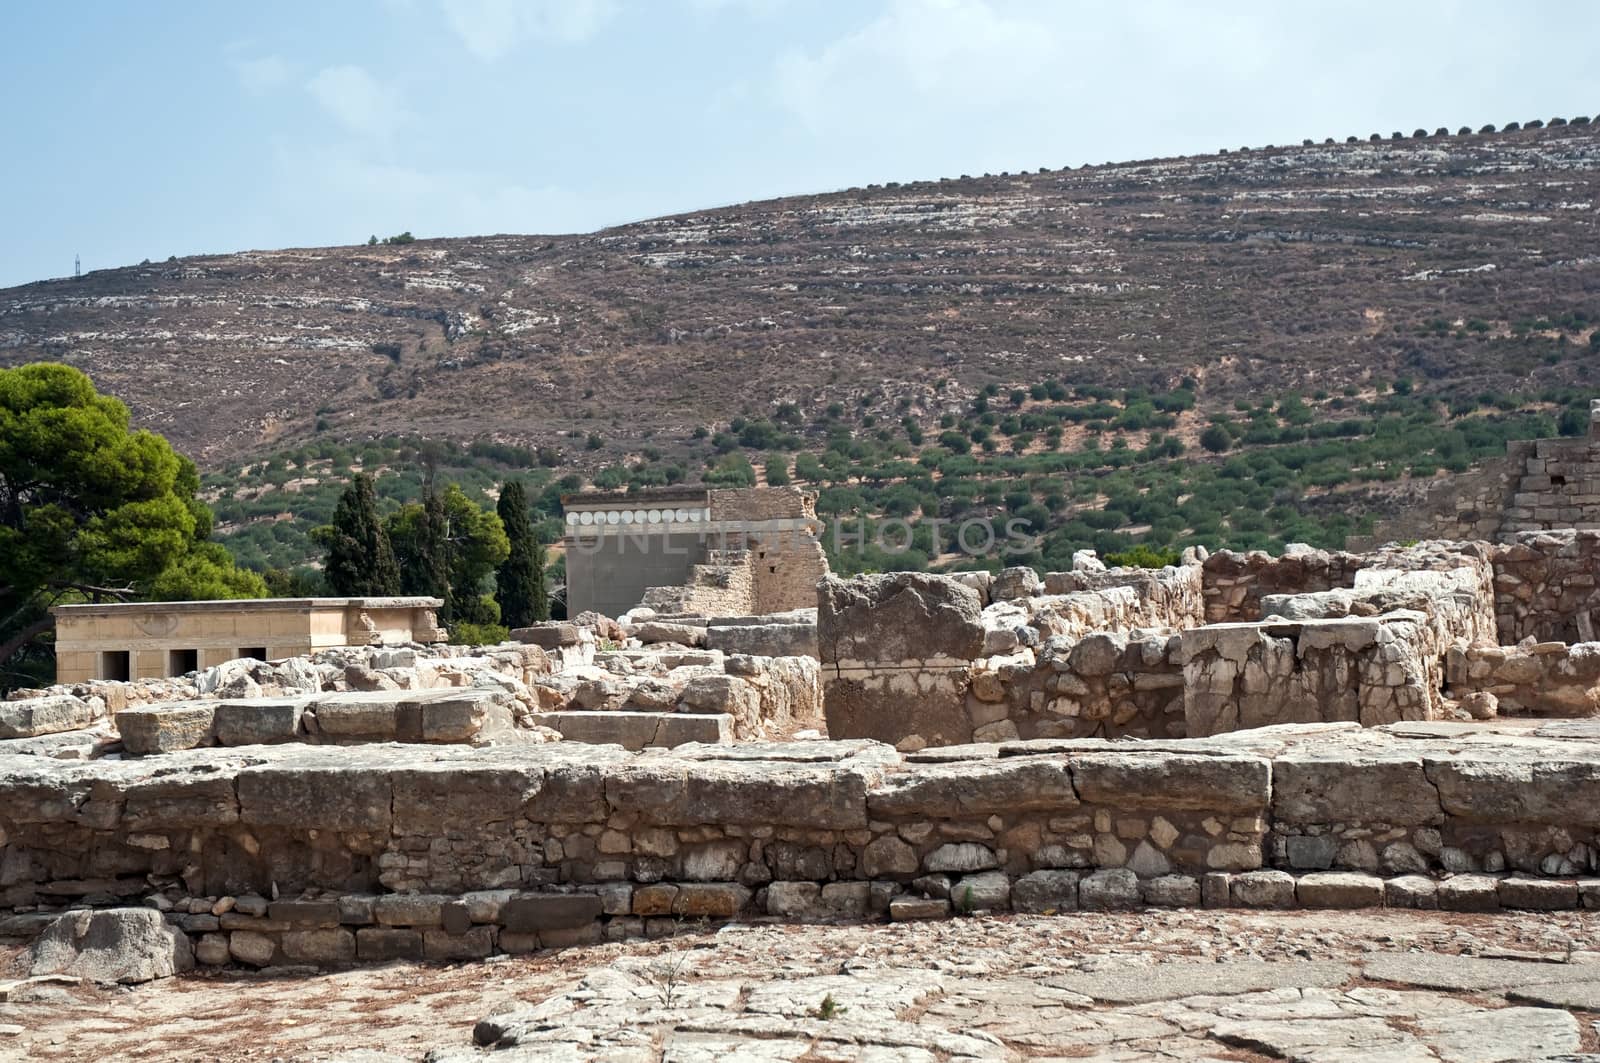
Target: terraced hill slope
point(1459, 261)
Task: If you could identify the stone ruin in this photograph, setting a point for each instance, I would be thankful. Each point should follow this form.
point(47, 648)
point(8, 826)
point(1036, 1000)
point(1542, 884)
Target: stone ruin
point(1411, 727)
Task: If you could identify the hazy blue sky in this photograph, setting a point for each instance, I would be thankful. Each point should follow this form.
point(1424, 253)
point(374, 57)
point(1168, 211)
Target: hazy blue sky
point(142, 129)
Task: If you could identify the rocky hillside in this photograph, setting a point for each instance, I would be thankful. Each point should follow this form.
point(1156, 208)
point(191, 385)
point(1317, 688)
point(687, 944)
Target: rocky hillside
point(1454, 260)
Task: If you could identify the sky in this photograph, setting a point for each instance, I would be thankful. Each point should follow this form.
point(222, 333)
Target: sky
point(142, 130)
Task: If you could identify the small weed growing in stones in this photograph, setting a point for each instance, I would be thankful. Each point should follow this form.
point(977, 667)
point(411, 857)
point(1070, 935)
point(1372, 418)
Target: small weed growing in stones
point(829, 1008)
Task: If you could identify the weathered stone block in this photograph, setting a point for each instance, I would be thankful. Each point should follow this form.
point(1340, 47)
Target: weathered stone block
point(1538, 894)
point(960, 856)
point(641, 730)
point(442, 946)
point(408, 909)
point(896, 617)
point(1469, 893)
point(1172, 891)
point(1263, 889)
point(551, 911)
point(320, 946)
point(32, 717)
point(259, 721)
point(798, 900)
point(376, 944)
point(1009, 785)
point(905, 909)
point(249, 946)
point(1164, 781)
point(986, 891)
point(166, 728)
point(711, 900)
point(1109, 890)
point(889, 857)
point(1411, 891)
point(1339, 889)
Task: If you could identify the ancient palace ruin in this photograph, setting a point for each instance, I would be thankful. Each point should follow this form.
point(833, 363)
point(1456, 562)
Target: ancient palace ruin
point(753, 740)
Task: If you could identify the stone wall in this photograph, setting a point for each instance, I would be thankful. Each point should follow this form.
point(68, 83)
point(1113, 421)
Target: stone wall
point(1559, 486)
point(1233, 583)
point(1548, 679)
point(1370, 671)
point(1104, 684)
point(1540, 485)
point(270, 855)
point(724, 582)
point(918, 660)
point(1462, 506)
point(1544, 586)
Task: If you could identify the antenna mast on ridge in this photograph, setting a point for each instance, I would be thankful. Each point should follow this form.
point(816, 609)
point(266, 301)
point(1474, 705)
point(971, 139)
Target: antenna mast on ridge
point(77, 266)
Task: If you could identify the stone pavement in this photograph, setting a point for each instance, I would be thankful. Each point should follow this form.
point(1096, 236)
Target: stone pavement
point(1175, 985)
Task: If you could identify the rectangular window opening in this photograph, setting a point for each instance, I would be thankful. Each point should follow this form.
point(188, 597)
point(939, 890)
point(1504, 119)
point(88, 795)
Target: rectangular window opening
point(114, 665)
point(182, 662)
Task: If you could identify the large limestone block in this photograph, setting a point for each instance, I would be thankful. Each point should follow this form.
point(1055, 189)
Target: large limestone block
point(1324, 787)
point(433, 798)
point(184, 796)
point(655, 631)
point(321, 787)
point(126, 945)
point(1504, 789)
point(461, 716)
point(974, 788)
point(641, 730)
point(919, 707)
point(1165, 780)
point(548, 636)
point(167, 728)
point(370, 716)
point(768, 793)
point(32, 717)
point(259, 721)
point(896, 617)
point(764, 640)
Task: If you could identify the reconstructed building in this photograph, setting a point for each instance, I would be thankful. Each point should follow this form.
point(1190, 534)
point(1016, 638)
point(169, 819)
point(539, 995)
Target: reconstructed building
point(693, 550)
point(148, 640)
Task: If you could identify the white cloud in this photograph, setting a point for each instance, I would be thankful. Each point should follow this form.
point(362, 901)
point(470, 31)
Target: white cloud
point(955, 55)
point(491, 29)
point(357, 100)
point(260, 76)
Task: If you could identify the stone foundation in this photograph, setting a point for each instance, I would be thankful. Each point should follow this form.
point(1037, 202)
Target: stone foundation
point(383, 852)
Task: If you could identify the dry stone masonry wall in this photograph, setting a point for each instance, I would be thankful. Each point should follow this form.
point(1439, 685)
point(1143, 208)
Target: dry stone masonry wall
point(320, 854)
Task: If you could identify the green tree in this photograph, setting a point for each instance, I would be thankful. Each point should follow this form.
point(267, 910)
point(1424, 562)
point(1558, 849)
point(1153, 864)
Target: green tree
point(519, 581)
point(448, 547)
point(360, 558)
point(418, 531)
point(1216, 439)
point(90, 511)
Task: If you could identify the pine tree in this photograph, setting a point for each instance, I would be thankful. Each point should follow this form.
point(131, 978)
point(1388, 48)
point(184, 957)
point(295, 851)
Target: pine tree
point(360, 559)
point(519, 582)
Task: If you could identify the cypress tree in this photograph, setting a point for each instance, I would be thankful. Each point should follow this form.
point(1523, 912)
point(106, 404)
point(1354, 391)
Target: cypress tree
point(360, 559)
point(519, 582)
point(424, 560)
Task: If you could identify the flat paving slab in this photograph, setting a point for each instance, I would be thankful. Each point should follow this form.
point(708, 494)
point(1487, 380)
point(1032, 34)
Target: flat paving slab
point(1472, 973)
point(1171, 981)
point(1577, 996)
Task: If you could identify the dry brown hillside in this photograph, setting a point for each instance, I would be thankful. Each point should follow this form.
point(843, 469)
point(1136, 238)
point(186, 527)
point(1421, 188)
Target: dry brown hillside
point(1251, 271)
